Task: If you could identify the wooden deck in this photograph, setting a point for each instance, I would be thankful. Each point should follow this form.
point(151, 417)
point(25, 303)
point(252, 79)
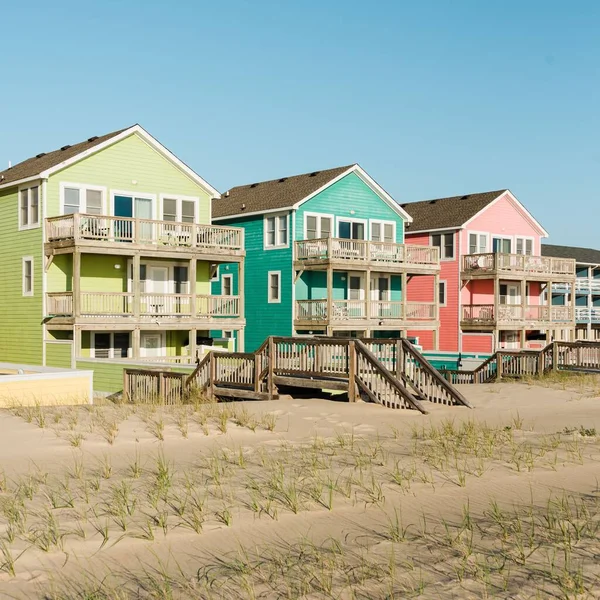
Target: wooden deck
point(489, 316)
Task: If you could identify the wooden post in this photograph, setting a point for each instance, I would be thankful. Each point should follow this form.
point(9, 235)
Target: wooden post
point(241, 289)
point(540, 363)
point(162, 386)
point(125, 385)
point(76, 283)
point(271, 367)
point(352, 371)
point(77, 346)
point(212, 375)
point(554, 356)
point(329, 290)
point(135, 342)
point(499, 365)
point(399, 359)
point(135, 282)
point(368, 292)
point(523, 310)
point(239, 347)
point(404, 279)
point(256, 373)
point(192, 290)
point(192, 344)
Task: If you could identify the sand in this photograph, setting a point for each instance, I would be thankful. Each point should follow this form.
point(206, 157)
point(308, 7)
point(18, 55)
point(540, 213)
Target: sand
point(306, 498)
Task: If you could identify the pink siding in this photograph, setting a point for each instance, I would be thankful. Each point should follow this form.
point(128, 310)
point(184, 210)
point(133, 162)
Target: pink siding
point(425, 337)
point(503, 219)
point(417, 287)
point(476, 343)
point(481, 291)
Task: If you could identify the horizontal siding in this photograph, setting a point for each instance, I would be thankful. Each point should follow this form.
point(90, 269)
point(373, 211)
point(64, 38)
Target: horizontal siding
point(52, 391)
point(477, 343)
point(20, 317)
point(58, 355)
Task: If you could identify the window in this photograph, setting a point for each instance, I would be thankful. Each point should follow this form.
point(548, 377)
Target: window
point(477, 243)
point(524, 245)
point(179, 209)
point(442, 293)
point(27, 276)
point(317, 226)
point(29, 207)
point(383, 231)
point(76, 198)
point(445, 242)
point(110, 344)
point(502, 245)
point(351, 230)
point(227, 285)
point(274, 282)
point(276, 231)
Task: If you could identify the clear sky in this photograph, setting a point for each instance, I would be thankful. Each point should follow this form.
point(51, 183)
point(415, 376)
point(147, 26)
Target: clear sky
point(432, 98)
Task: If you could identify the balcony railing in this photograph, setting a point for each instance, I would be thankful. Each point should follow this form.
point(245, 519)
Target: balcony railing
point(351, 310)
point(488, 314)
point(381, 253)
point(587, 314)
point(83, 227)
point(116, 304)
point(517, 264)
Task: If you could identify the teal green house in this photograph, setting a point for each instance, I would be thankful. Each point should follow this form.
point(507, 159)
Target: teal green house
point(325, 255)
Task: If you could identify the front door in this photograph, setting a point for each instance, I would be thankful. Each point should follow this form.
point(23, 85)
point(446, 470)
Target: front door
point(129, 207)
point(356, 296)
point(151, 344)
point(157, 287)
point(380, 295)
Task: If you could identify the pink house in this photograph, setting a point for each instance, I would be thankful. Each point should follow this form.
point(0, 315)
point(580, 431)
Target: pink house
point(494, 282)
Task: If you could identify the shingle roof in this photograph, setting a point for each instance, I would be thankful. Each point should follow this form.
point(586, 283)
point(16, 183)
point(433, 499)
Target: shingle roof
point(581, 255)
point(46, 160)
point(450, 212)
point(274, 194)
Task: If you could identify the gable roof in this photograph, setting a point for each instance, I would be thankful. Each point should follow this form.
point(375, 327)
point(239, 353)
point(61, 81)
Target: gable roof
point(588, 256)
point(448, 213)
point(290, 192)
point(45, 163)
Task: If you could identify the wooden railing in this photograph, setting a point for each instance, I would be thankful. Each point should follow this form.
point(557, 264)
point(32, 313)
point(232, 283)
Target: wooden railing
point(510, 313)
point(59, 303)
point(587, 314)
point(349, 310)
point(382, 253)
point(84, 227)
point(518, 264)
point(150, 387)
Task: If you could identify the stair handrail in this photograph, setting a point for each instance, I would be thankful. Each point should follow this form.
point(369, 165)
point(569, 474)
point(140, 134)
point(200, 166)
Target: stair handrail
point(404, 392)
point(199, 366)
point(433, 372)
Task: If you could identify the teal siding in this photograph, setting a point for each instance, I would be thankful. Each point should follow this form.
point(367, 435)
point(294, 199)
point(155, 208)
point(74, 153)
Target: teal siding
point(262, 318)
point(312, 285)
point(216, 288)
point(350, 193)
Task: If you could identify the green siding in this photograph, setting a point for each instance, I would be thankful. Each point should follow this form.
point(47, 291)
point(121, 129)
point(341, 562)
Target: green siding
point(58, 355)
point(20, 317)
point(350, 193)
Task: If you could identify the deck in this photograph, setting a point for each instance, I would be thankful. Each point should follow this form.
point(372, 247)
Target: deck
point(482, 316)
point(517, 266)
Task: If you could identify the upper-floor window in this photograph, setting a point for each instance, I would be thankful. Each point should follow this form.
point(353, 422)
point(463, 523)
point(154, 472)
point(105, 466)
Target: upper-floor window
point(351, 229)
point(276, 231)
point(445, 242)
point(227, 285)
point(477, 243)
point(383, 231)
point(274, 286)
point(442, 293)
point(86, 199)
point(29, 207)
point(317, 226)
point(524, 245)
point(502, 245)
point(180, 209)
point(27, 276)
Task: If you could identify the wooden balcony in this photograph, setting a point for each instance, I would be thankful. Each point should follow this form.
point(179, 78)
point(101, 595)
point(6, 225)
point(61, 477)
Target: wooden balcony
point(357, 254)
point(124, 235)
point(517, 266)
point(587, 314)
point(486, 316)
point(119, 307)
point(363, 313)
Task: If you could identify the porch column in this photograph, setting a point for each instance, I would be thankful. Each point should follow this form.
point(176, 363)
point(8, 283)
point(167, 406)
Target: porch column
point(192, 344)
point(192, 291)
point(241, 292)
point(76, 345)
point(436, 298)
point(329, 294)
point(135, 282)
point(135, 342)
point(77, 284)
point(240, 340)
point(436, 339)
point(523, 337)
point(368, 295)
point(523, 311)
point(404, 279)
point(496, 300)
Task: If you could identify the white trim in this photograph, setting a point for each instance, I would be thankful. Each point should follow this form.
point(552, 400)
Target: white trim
point(29, 225)
point(81, 187)
point(163, 341)
point(133, 196)
point(276, 216)
point(437, 230)
point(293, 272)
point(524, 238)
point(319, 216)
point(382, 223)
point(519, 207)
point(269, 300)
point(445, 282)
point(339, 219)
point(24, 260)
point(179, 198)
point(20, 181)
point(228, 276)
point(255, 213)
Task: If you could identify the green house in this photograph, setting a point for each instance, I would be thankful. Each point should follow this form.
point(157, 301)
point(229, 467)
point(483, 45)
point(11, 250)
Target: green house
point(325, 255)
point(107, 256)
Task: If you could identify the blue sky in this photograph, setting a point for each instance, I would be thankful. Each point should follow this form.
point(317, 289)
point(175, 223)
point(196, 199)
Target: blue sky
point(432, 98)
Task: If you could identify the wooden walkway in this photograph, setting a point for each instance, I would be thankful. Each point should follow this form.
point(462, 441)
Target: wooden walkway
point(389, 372)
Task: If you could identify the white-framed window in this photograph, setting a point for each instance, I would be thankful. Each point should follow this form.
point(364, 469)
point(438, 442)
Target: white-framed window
point(383, 231)
point(442, 289)
point(276, 231)
point(82, 198)
point(317, 226)
point(29, 207)
point(227, 334)
point(478, 243)
point(27, 265)
point(180, 209)
point(351, 229)
point(524, 245)
point(227, 285)
point(110, 344)
point(445, 242)
point(274, 287)
point(502, 245)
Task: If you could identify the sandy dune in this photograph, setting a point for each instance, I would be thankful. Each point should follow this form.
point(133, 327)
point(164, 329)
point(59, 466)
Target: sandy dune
point(308, 498)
